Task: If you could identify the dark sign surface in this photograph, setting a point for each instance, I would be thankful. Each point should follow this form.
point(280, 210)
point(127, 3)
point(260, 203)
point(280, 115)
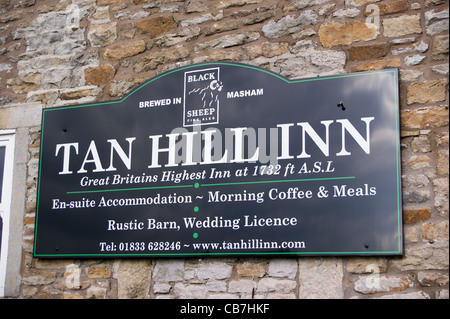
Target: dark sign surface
point(225, 159)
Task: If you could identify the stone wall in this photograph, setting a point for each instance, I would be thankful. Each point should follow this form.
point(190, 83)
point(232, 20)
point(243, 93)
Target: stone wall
point(55, 53)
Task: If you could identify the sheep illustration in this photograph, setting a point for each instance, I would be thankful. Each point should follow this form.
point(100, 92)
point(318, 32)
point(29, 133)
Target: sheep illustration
point(210, 93)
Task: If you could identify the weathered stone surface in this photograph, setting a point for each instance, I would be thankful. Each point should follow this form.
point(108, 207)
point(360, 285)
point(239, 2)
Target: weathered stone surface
point(433, 232)
point(283, 268)
point(431, 278)
point(124, 49)
point(119, 88)
point(283, 286)
point(441, 69)
point(414, 216)
point(442, 167)
point(228, 41)
point(169, 270)
point(411, 295)
point(391, 7)
point(190, 291)
point(346, 13)
point(221, 26)
point(377, 65)
point(374, 284)
point(436, 21)
point(223, 4)
point(25, 83)
point(333, 34)
point(258, 18)
point(99, 75)
point(403, 25)
point(161, 288)
point(99, 272)
point(427, 92)
point(156, 26)
point(417, 196)
point(423, 257)
point(414, 60)
point(107, 2)
point(424, 117)
point(245, 287)
point(127, 285)
point(421, 144)
point(74, 94)
point(369, 51)
point(192, 6)
point(270, 50)
point(171, 39)
point(202, 18)
point(250, 270)
point(151, 61)
point(101, 35)
point(38, 277)
point(321, 278)
point(304, 60)
point(301, 4)
point(440, 47)
point(366, 265)
point(289, 24)
point(359, 2)
point(214, 270)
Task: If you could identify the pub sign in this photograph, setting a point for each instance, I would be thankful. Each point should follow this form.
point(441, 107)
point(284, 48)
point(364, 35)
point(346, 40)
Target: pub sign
point(225, 159)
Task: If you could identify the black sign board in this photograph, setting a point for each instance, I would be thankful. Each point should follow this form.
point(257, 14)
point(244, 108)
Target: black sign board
point(225, 159)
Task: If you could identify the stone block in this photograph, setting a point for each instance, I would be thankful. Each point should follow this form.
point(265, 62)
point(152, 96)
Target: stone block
point(283, 268)
point(283, 286)
point(153, 60)
point(391, 7)
point(101, 35)
point(169, 270)
point(417, 196)
point(103, 272)
point(191, 6)
point(423, 257)
point(289, 24)
point(376, 65)
point(368, 52)
point(366, 265)
point(442, 165)
point(433, 232)
point(124, 49)
point(99, 75)
point(189, 291)
point(242, 286)
point(25, 83)
point(321, 278)
point(333, 34)
point(301, 4)
point(403, 25)
point(440, 47)
point(223, 4)
point(127, 273)
point(427, 92)
point(414, 216)
point(214, 270)
point(156, 26)
point(249, 269)
point(436, 21)
point(424, 118)
point(227, 41)
point(375, 284)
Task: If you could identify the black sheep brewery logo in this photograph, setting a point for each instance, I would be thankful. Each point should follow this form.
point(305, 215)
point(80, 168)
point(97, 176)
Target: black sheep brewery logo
point(202, 97)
